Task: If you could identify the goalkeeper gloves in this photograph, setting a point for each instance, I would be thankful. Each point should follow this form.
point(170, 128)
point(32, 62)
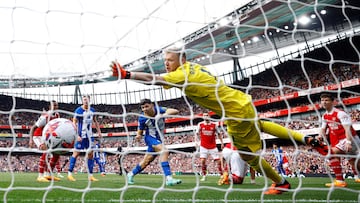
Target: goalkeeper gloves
point(117, 68)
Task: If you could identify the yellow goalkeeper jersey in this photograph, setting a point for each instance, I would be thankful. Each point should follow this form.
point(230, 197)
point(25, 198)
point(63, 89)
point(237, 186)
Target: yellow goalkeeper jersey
point(209, 92)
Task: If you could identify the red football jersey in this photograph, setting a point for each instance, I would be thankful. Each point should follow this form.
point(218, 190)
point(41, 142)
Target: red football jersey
point(207, 132)
point(333, 121)
point(42, 121)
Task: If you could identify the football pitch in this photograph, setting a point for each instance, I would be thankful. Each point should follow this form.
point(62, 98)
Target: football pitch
point(22, 187)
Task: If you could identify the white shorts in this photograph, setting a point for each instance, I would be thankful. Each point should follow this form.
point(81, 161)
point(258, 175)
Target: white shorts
point(38, 140)
point(286, 165)
point(213, 152)
point(355, 144)
point(236, 164)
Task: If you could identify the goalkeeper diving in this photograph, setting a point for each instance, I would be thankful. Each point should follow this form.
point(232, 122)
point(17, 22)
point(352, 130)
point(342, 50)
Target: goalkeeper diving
point(208, 91)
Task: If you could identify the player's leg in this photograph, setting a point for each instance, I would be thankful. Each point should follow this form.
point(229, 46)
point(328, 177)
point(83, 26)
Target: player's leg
point(148, 158)
point(42, 160)
point(216, 156)
point(203, 156)
point(226, 155)
point(335, 164)
point(42, 167)
point(251, 143)
point(164, 161)
point(90, 163)
point(102, 168)
point(281, 169)
point(280, 131)
point(58, 168)
point(53, 160)
point(252, 175)
point(72, 162)
point(238, 168)
point(355, 163)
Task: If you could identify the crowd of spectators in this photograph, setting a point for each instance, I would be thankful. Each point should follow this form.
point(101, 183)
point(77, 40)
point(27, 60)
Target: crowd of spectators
point(302, 160)
point(306, 162)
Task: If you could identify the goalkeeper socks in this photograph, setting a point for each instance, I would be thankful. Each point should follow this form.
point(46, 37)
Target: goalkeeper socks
point(72, 163)
point(280, 131)
point(166, 168)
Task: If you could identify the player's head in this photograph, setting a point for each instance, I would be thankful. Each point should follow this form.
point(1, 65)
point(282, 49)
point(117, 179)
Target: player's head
point(147, 107)
point(173, 58)
point(206, 117)
point(327, 100)
point(53, 105)
point(86, 100)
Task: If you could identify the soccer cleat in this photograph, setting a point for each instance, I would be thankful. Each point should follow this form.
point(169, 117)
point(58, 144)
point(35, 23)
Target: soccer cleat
point(52, 178)
point(130, 179)
point(103, 174)
point(317, 145)
point(42, 179)
point(276, 189)
point(93, 179)
point(71, 178)
point(336, 183)
point(59, 175)
point(203, 178)
point(224, 179)
point(173, 182)
point(357, 180)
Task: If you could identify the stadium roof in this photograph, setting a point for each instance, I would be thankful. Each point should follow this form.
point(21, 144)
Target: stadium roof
point(212, 42)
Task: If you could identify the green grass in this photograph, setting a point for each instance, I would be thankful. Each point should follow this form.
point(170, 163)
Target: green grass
point(148, 188)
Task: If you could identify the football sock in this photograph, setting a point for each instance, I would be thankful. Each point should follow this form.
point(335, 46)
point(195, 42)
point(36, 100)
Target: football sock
point(72, 163)
point(166, 168)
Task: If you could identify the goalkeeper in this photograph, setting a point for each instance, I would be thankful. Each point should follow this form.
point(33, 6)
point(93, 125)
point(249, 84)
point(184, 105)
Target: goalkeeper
point(242, 122)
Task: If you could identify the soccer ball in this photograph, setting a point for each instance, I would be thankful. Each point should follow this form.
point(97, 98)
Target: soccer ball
point(59, 133)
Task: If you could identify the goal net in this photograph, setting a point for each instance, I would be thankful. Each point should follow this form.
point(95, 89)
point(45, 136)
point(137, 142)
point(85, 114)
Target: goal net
point(284, 54)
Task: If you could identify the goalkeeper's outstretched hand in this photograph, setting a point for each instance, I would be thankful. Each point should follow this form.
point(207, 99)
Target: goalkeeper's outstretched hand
point(117, 68)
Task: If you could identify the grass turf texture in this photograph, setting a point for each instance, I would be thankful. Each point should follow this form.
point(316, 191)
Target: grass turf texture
point(149, 188)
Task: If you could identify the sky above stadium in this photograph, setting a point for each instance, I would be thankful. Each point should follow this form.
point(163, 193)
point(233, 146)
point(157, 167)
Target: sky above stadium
point(46, 38)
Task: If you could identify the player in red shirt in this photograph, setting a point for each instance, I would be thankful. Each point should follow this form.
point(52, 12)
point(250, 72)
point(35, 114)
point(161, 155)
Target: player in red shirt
point(36, 137)
point(207, 131)
point(237, 166)
point(342, 137)
point(286, 165)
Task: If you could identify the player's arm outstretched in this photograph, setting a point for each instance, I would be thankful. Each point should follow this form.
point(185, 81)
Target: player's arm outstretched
point(119, 71)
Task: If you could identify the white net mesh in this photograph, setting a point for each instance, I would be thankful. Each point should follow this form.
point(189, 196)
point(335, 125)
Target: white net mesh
point(282, 53)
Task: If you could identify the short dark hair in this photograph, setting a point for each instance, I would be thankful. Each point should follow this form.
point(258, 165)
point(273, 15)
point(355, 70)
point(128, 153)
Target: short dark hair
point(327, 95)
point(145, 101)
point(119, 149)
